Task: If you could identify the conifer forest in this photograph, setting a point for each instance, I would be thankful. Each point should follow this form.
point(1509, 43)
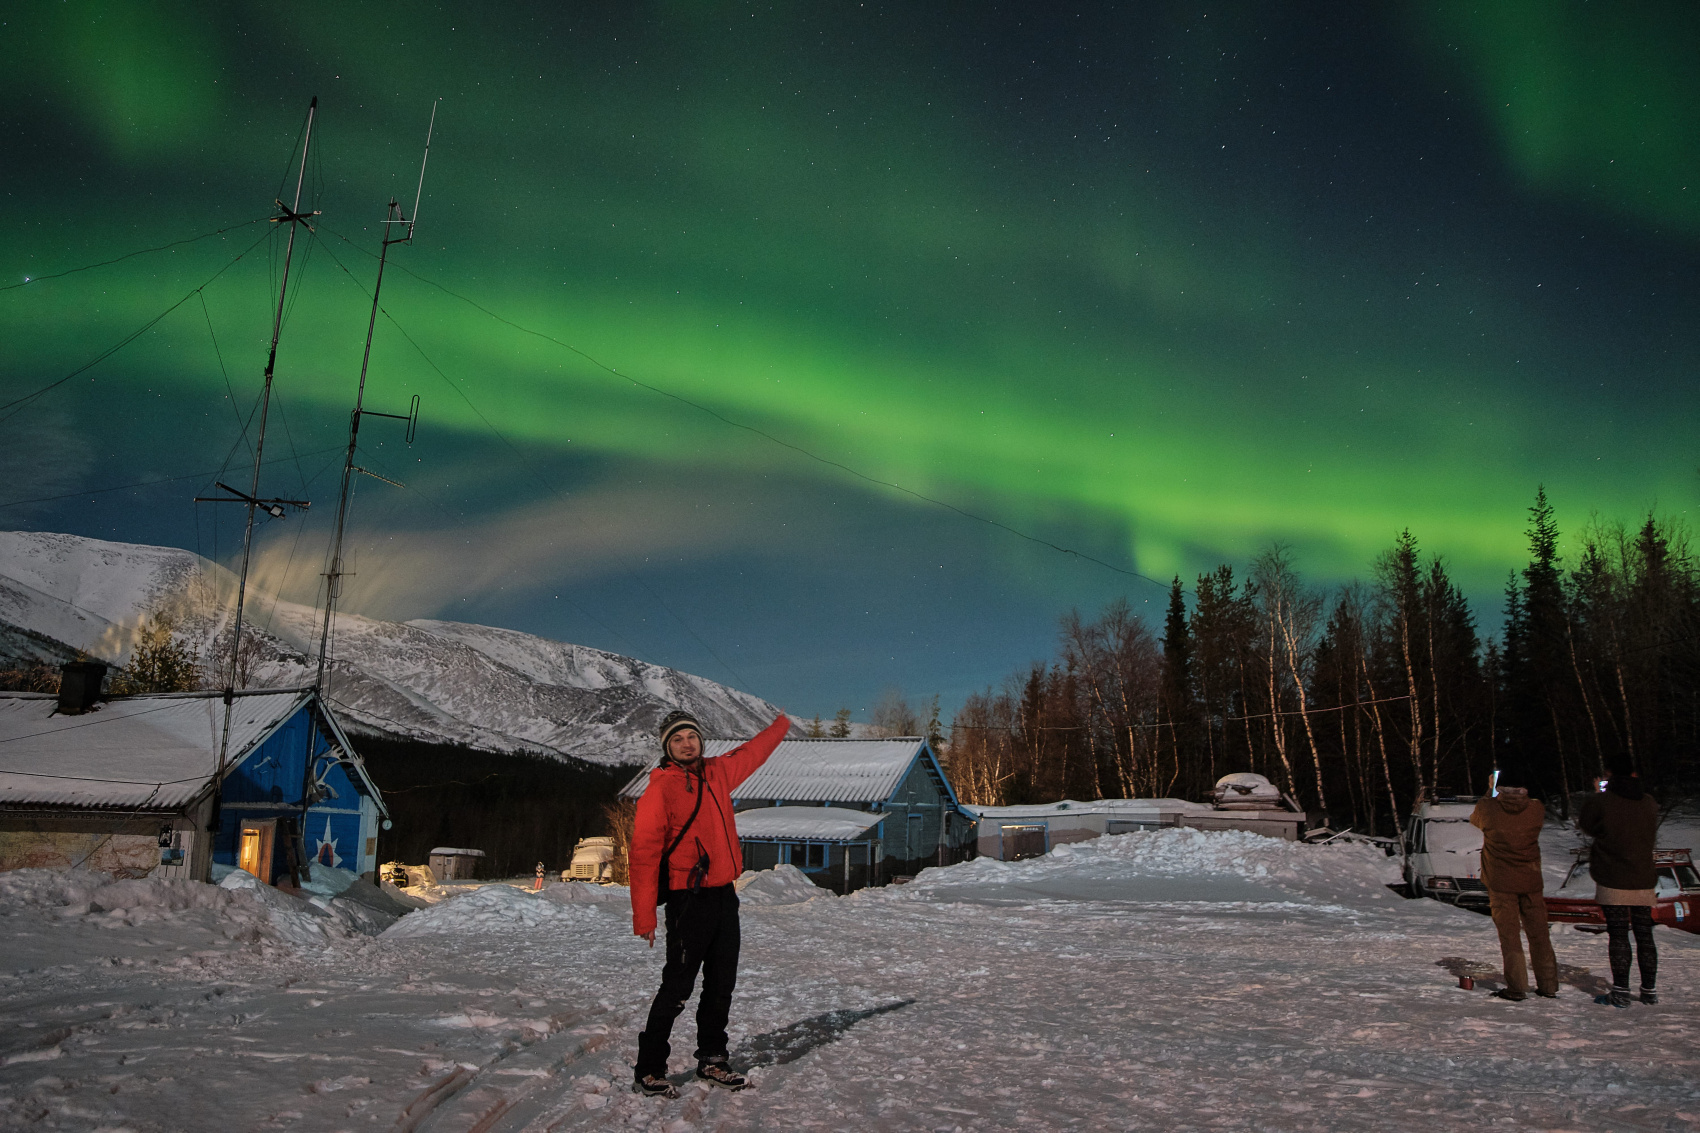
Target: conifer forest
point(1359, 700)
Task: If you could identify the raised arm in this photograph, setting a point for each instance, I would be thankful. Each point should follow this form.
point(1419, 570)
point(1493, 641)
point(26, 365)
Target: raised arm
point(741, 762)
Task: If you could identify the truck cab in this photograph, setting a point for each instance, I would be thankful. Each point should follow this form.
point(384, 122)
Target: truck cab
point(593, 861)
point(1443, 853)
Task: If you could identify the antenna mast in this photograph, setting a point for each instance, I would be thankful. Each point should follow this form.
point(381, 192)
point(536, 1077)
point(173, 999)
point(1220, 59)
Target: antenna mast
point(293, 216)
point(334, 574)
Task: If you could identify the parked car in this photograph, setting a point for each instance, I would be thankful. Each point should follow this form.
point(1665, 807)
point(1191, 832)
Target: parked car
point(1443, 853)
point(1677, 893)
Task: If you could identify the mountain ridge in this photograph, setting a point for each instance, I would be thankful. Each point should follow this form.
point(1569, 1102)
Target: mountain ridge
point(484, 687)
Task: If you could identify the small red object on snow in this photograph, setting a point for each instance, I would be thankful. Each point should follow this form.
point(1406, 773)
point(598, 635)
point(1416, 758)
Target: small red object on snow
point(538, 884)
point(1468, 983)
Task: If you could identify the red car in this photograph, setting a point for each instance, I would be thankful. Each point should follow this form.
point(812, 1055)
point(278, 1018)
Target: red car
point(1677, 894)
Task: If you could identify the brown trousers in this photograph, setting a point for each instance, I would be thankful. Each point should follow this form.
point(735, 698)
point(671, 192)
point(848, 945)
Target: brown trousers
point(1526, 912)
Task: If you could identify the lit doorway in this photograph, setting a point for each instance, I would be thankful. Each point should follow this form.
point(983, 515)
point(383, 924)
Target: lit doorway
point(254, 849)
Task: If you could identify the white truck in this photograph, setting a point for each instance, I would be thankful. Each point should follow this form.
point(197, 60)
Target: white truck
point(593, 861)
point(1443, 853)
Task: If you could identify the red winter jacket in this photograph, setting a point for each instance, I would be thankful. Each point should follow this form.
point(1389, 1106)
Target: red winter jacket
point(666, 806)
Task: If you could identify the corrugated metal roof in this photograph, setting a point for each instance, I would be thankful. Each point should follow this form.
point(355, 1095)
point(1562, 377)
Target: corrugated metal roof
point(816, 771)
point(805, 823)
point(138, 752)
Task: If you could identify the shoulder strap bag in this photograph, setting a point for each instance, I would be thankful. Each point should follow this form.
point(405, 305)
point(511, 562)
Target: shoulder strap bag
point(663, 887)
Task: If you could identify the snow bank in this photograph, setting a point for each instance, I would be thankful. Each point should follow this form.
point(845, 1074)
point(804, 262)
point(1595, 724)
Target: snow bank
point(1329, 872)
point(583, 892)
point(247, 913)
point(491, 908)
point(781, 885)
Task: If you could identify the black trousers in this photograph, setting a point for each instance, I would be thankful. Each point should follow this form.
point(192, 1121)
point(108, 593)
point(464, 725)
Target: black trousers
point(1621, 920)
point(702, 932)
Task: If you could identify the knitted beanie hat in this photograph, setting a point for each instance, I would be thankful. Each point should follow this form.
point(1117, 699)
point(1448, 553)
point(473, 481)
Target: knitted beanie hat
point(676, 721)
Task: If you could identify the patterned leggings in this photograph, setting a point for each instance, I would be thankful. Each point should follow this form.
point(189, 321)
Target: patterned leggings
point(1620, 919)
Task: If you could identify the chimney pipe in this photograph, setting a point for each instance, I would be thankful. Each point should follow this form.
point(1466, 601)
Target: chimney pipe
point(79, 686)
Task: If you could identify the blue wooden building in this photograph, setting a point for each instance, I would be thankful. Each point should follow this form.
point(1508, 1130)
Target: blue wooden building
point(130, 785)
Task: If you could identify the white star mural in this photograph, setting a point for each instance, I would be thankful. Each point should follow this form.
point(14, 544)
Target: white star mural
point(325, 853)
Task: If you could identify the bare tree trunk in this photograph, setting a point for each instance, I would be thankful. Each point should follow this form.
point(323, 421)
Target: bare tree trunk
point(1304, 711)
point(1381, 741)
point(1587, 702)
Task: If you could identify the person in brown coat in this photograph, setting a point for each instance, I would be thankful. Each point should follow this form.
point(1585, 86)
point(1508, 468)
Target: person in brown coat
point(1624, 821)
point(1510, 823)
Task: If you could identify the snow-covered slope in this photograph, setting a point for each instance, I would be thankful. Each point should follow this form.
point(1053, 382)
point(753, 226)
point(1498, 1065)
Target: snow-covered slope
point(489, 688)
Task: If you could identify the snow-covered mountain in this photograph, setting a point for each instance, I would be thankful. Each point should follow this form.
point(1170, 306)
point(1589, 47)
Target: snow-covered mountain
point(447, 682)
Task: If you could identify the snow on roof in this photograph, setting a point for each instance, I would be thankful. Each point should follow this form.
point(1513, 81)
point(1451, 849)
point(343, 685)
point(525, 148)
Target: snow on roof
point(145, 751)
point(805, 823)
point(1129, 807)
point(823, 771)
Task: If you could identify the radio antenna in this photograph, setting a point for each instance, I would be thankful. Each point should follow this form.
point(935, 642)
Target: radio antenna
point(334, 573)
point(420, 191)
point(291, 215)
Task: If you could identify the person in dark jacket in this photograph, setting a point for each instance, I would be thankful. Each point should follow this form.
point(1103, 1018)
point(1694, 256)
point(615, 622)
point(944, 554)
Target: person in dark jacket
point(685, 817)
point(1624, 821)
point(1510, 822)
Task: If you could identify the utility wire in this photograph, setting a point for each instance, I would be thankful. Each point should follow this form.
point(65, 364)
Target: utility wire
point(546, 485)
point(132, 255)
point(20, 402)
point(1014, 728)
point(151, 483)
point(718, 416)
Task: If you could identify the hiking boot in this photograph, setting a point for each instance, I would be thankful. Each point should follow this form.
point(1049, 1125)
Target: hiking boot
point(1619, 997)
point(1649, 996)
point(1546, 994)
point(1508, 994)
point(722, 1075)
point(654, 1086)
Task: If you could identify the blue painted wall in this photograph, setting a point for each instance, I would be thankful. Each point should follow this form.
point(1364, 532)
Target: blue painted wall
point(268, 783)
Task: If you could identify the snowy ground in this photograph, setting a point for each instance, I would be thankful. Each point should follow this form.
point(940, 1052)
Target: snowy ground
point(1173, 980)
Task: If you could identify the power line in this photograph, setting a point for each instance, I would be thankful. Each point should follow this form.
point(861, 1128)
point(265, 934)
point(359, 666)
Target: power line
point(149, 483)
point(541, 479)
point(127, 339)
point(828, 461)
point(131, 255)
point(1144, 727)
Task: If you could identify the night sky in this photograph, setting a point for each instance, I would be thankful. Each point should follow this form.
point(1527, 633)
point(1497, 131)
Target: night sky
point(1158, 283)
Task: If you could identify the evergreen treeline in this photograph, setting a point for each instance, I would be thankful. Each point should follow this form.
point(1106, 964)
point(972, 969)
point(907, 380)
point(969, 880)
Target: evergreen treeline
point(1359, 701)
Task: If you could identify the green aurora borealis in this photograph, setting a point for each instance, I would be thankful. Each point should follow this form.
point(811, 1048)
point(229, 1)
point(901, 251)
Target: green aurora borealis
point(1163, 283)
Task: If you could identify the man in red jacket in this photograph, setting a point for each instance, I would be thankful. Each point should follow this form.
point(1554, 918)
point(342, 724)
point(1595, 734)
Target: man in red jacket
point(685, 816)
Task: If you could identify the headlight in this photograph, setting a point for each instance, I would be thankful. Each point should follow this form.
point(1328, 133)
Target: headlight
point(1439, 883)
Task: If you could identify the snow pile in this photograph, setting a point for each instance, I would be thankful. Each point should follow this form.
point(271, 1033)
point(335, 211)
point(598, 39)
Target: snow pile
point(490, 908)
point(244, 913)
point(781, 885)
point(1329, 872)
point(583, 892)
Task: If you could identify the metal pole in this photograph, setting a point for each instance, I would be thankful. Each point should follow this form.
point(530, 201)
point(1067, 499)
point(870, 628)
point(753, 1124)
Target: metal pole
point(294, 218)
point(333, 576)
